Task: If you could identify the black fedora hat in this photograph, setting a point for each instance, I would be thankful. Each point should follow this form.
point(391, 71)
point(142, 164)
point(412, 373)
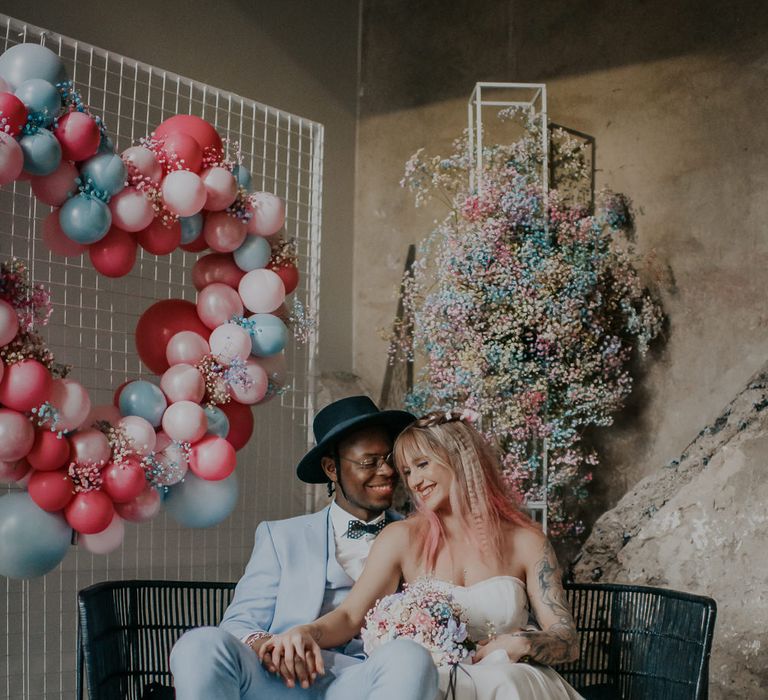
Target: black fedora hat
point(340, 418)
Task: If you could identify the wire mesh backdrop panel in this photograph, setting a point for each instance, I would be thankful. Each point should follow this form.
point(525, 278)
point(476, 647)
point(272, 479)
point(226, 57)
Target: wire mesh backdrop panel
point(92, 330)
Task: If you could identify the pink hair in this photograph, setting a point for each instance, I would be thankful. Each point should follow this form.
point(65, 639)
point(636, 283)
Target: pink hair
point(478, 495)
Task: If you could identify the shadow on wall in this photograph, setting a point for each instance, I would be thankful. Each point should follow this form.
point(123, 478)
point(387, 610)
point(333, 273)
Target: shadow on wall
point(416, 53)
point(299, 27)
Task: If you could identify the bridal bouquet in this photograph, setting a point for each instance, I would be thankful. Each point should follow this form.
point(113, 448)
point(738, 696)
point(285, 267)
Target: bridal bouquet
point(425, 614)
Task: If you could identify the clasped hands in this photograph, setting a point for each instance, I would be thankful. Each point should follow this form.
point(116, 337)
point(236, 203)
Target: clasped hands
point(294, 656)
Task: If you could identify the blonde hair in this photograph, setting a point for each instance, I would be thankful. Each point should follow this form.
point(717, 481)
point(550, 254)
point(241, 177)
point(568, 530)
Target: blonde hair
point(478, 495)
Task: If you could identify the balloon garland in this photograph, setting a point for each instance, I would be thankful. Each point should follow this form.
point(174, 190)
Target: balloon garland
point(89, 468)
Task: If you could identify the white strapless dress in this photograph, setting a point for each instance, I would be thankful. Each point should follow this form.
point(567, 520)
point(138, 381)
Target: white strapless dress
point(496, 606)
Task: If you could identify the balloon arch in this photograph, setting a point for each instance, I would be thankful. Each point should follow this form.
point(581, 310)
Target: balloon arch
point(88, 468)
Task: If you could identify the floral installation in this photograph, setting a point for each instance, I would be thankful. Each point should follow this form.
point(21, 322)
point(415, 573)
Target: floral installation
point(527, 307)
point(426, 614)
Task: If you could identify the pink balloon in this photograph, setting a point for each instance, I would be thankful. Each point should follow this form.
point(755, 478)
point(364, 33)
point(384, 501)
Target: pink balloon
point(213, 458)
point(262, 291)
point(140, 434)
point(108, 413)
point(125, 480)
point(217, 303)
point(13, 471)
point(275, 367)
point(221, 188)
point(183, 382)
point(131, 210)
point(142, 508)
point(58, 187)
point(223, 232)
point(16, 435)
point(257, 385)
point(78, 135)
point(72, 402)
point(162, 441)
point(185, 421)
point(183, 192)
point(229, 341)
point(216, 267)
point(173, 465)
point(268, 214)
point(186, 347)
point(144, 161)
point(25, 384)
point(56, 240)
point(90, 446)
point(106, 541)
point(11, 159)
point(9, 323)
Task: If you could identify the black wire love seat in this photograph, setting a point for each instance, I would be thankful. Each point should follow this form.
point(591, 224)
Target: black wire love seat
point(637, 642)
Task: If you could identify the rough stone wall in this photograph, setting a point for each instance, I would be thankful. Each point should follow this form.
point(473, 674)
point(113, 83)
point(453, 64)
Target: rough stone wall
point(700, 525)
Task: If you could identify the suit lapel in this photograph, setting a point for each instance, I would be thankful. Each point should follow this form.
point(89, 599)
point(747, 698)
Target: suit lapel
point(315, 555)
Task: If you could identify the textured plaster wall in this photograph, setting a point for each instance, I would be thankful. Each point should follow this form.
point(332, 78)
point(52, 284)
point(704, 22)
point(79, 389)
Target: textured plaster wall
point(296, 56)
point(674, 94)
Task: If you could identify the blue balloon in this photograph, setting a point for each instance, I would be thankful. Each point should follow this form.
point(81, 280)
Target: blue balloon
point(42, 152)
point(144, 399)
point(32, 542)
point(41, 99)
point(254, 253)
point(85, 219)
point(197, 502)
point(106, 171)
point(191, 227)
point(26, 61)
point(243, 176)
point(269, 335)
point(218, 423)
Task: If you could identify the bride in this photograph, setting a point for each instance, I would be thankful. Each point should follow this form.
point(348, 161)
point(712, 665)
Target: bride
point(469, 538)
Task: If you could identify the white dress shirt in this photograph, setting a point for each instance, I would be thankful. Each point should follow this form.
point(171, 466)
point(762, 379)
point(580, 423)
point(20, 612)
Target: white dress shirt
point(351, 554)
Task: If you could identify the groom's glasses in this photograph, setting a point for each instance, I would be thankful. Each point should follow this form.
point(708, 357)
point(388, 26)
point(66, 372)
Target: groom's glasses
point(371, 462)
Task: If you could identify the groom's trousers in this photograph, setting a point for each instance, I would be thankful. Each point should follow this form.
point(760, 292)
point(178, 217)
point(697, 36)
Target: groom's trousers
point(211, 664)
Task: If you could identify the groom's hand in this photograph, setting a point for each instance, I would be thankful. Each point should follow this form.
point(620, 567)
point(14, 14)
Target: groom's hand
point(295, 655)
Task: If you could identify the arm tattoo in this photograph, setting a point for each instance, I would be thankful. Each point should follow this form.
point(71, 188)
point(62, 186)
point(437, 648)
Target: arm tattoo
point(560, 642)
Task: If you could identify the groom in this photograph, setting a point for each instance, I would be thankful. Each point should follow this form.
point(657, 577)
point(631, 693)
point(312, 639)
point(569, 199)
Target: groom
point(302, 568)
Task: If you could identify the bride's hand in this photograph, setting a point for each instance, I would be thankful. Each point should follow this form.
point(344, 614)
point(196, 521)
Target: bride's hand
point(515, 646)
point(295, 655)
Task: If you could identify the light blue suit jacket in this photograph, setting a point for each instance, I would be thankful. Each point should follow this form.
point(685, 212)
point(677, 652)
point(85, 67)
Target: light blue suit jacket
point(284, 582)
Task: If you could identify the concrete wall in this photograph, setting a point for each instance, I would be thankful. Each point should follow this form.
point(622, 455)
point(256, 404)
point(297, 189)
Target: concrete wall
point(674, 93)
point(299, 57)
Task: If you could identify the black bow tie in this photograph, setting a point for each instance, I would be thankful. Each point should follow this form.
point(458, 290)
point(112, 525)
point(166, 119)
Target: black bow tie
point(357, 528)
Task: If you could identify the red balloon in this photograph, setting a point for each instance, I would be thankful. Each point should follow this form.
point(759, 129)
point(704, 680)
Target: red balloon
point(124, 481)
point(89, 512)
point(288, 273)
point(14, 111)
point(197, 246)
point(196, 127)
point(115, 254)
point(159, 323)
point(51, 491)
point(182, 147)
point(49, 451)
point(25, 384)
point(78, 135)
point(159, 239)
point(216, 267)
point(212, 458)
point(240, 423)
